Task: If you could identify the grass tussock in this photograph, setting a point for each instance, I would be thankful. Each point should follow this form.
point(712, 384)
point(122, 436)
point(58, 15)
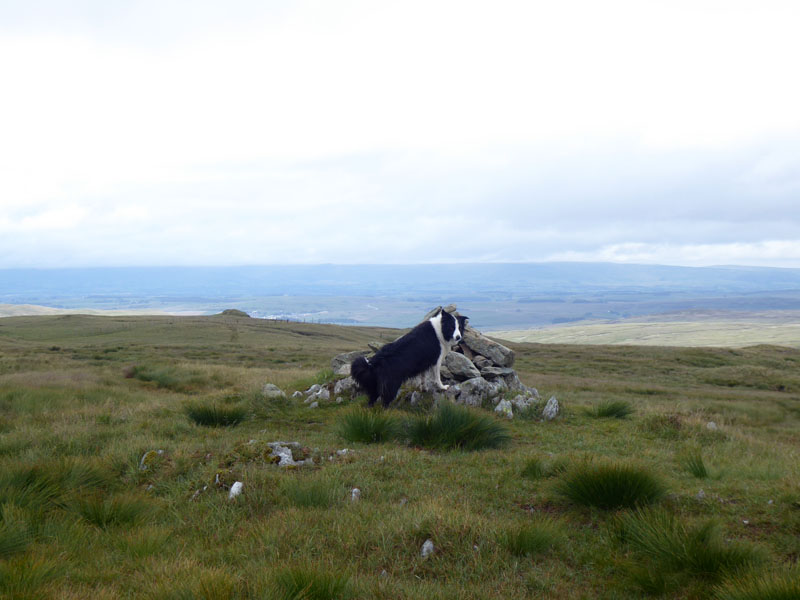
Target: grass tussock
point(368, 426)
point(312, 493)
point(106, 512)
point(23, 578)
point(539, 468)
point(453, 427)
point(212, 413)
point(532, 538)
point(612, 409)
point(174, 378)
point(668, 546)
point(762, 586)
point(15, 535)
point(306, 584)
point(692, 461)
point(610, 486)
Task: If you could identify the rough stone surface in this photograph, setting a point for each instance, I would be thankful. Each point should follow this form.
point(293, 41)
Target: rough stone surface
point(283, 452)
point(344, 386)
point(460, 367)
point(551, 409)
point(270, 391)
point(504, 408)
point(236, 489)
point(427, 549)
point(521, 402)
point(494, 351)
point(341, 360)
point(474, 391)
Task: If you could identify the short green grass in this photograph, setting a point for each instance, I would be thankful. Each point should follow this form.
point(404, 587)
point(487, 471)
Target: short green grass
point(83, 515)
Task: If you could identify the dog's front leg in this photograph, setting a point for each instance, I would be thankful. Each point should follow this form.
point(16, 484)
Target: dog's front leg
point(438, 375)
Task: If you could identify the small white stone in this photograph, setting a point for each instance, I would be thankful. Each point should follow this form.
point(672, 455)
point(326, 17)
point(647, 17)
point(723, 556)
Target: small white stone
point(427, 548)
point(711, 426)
point(701, 494)
point(770, 502)
point(745, 522)
point(551, 409)
point(314, 405)
point(342, 452)
point(236, 489)
point(355, 494)
point(504, 408)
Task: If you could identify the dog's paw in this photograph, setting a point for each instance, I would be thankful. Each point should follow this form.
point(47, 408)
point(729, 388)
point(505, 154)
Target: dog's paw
point(443, 388)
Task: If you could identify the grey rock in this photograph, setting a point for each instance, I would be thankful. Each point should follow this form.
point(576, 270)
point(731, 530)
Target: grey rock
point(323, 394)
point(460, 366)
point(297, 394)
point(494, 351)
point(271, 391)
point(551, 409)
point(148, 457)
point(481, 361)
point(415, 398)
point(283, 451)
point(355, 494)
point(314, 405)
point(341, 360)
point(521, 402)
point(427, 549)
point(474, 391)
point(313, 389)
point(504, 408)
point(374, 346)
point(344, 386)
point(711, 426)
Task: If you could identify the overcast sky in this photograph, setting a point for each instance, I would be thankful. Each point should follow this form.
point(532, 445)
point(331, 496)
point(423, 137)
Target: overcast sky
point(252, 132)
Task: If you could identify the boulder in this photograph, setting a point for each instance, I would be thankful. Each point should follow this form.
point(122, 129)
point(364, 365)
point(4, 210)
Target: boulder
point(341, 362)
point(270, 391)
point(504, 408)
point(494, 351)
point(474, 391)
point(551, 409)
point(345, 386)
point(460, 367)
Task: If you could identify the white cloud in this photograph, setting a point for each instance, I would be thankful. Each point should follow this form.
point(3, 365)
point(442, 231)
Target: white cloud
point(329, 131)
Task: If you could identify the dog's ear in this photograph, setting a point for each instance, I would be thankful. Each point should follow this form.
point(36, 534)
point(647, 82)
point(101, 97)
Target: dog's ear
point(438, 312)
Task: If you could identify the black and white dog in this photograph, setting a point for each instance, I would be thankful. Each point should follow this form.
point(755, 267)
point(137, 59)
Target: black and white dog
point(422, 348)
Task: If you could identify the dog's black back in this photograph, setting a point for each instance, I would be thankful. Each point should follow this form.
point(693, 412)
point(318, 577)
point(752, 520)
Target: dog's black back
point(414, 353)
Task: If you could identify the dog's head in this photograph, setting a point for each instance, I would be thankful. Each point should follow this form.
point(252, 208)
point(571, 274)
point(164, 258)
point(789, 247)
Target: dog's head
point(452, 326)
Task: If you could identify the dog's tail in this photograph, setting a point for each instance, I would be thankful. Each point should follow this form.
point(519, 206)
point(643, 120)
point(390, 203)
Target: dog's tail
point(364, 375)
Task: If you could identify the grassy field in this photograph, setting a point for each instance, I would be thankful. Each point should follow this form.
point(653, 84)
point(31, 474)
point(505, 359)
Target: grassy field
point(108, 488)
point(780, 328)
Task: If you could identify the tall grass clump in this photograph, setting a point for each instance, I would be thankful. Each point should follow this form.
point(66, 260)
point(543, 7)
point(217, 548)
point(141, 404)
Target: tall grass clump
point(613, 409)
point(304, 584)
point(536, 468)
point(311, 493)
point(762, 586)
point(369, 426)
point(670, 546)
point(23, 578)
point(457, 427)
point(692, 461)
point(532, 538)
point(105, 512)
point(610, 486)
point(14, 533)
point(216, 414)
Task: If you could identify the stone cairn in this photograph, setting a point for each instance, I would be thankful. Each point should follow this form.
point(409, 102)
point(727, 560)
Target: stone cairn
point(478, 371)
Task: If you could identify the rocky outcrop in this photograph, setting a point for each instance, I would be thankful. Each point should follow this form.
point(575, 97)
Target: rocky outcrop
point(477, 371)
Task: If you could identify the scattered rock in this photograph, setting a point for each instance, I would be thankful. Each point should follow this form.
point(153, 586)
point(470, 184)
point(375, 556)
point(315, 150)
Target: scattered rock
point(355, 494)
point(197, 493)
point(551, 409)
point(521, 402)
point(236, 489)
point(148, 458)
point(313, 389)
point(711, 426)
point(345, 386)
point(504, 408)
point(271, 391)
point(282, 451)
point(314, 405)
point(701, 495)
point(297, 394)
point(427, 549)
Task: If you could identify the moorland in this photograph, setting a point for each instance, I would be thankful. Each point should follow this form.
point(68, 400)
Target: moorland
point(110, 487)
